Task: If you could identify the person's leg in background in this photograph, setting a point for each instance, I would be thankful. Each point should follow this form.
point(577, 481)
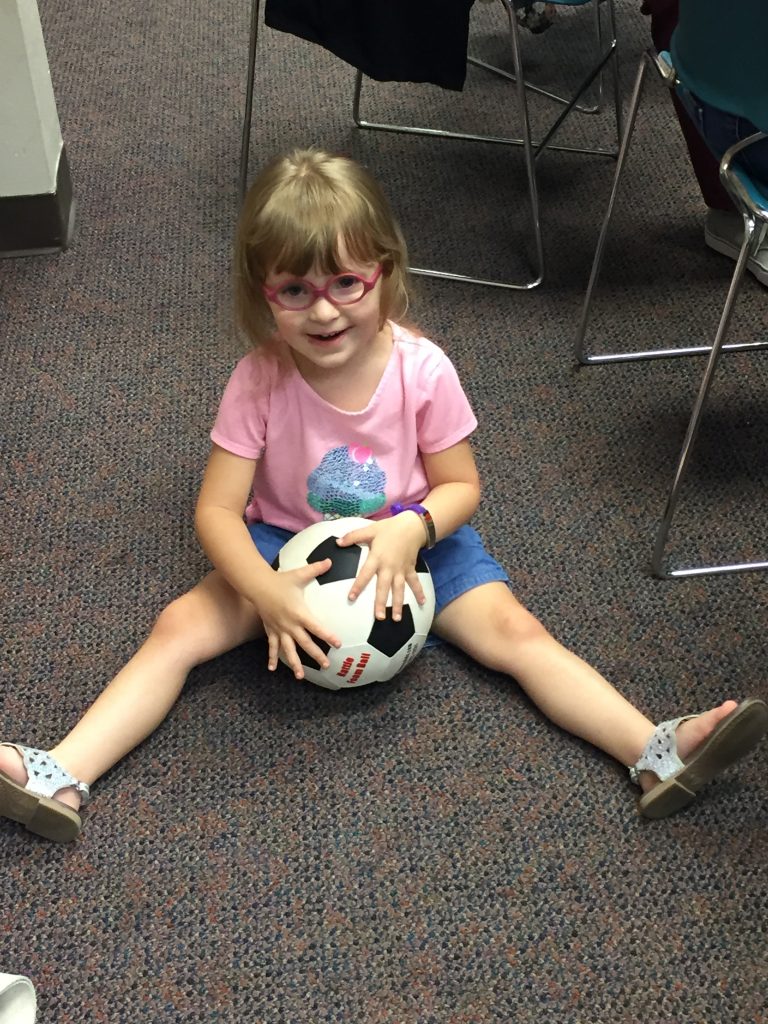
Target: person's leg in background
point(724, 231)
point(723, 228)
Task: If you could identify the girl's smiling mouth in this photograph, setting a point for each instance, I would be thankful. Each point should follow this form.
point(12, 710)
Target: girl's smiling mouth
point(330, 336)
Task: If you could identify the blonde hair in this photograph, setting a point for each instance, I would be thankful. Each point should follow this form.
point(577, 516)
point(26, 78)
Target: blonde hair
point(296, 212)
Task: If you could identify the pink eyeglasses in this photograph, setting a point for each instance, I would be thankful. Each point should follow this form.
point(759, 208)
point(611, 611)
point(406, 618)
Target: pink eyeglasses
point(341, 290)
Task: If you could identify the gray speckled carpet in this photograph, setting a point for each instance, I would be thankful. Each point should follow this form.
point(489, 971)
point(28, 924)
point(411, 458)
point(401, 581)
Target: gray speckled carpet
point(431, 850)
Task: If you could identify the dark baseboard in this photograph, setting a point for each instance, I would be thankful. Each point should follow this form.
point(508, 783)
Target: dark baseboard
point(31, 225)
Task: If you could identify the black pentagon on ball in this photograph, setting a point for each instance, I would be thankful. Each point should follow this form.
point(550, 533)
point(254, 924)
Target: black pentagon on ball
point(389, 636)
point(307, 659)
point(345, 560)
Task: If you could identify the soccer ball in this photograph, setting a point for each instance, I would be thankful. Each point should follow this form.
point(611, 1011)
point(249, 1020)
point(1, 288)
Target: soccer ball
point(371, 650)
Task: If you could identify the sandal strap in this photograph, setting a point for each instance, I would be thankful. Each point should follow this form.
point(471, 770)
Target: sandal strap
point(660, 753)
point(45, 776)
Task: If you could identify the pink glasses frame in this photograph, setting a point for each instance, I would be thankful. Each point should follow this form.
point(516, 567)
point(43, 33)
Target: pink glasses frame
point(271, 293)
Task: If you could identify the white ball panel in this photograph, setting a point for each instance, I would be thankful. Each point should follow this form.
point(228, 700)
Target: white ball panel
point(357, 662)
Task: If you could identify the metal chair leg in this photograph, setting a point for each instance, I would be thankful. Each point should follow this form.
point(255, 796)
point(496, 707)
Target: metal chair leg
point(246, 139)
point(584, 357)
point(568, 105)
point(554, 97)
point(530, 172)
point(617, 106)
point(531, 151)
point(753, 238)
point(609, 54)
point(597, 263)
point(599, 38)
point(544, 143)
point(529, 155)
point(750, 245)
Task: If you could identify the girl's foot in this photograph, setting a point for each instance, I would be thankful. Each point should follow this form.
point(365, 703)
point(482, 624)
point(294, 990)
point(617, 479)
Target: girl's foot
point(12, 765)
point(691, 734)
point(685, 754)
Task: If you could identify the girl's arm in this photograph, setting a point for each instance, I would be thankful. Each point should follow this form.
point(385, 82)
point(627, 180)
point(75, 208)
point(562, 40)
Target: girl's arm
point(219, 523)
point(277, 597)
point(454, 494)
point(454, 487)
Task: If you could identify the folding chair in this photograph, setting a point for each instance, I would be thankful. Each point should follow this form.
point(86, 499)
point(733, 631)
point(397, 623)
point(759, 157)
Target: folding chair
point(753, 205)
point(532, 150)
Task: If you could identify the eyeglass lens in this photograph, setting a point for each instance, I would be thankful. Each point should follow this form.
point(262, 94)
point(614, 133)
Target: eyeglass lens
point(342, 290)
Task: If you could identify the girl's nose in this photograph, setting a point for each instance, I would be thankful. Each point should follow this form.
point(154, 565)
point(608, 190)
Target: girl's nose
point(323, 310)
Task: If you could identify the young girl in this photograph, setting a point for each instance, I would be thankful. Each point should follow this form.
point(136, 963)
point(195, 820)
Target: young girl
point(340, 410)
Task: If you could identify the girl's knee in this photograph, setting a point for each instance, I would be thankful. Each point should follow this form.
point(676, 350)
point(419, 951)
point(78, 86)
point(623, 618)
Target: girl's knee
point(516, 624)
point(203, 623)
point(178, 622)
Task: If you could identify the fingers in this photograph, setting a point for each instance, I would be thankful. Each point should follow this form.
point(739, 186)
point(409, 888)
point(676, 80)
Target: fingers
point(384, 581)
point(361, 536)
point(387, 583)
point(313, 570)
point(308, 643)
point(289, 624)
point(394, 591)
point(286, 642)
point(291, 656)
point(398, 596)
point(363, 578)
point(414, 582)
point(273, 651)
point(391, 590)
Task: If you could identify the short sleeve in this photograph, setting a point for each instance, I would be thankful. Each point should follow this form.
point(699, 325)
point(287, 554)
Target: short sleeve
point(444, 416)
point(241, 421)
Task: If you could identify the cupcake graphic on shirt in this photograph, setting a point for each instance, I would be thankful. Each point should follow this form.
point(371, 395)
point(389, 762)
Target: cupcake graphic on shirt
point(348, 482)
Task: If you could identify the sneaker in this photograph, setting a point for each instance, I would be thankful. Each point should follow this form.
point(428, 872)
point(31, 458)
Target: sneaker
point(724, 232)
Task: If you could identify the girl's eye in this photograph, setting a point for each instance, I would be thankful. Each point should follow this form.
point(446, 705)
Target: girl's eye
point(347, 282)
point(294, 290)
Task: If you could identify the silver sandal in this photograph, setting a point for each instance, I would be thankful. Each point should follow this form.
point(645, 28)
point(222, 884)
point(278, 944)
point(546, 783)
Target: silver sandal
point(33, 805)
point(679, 782)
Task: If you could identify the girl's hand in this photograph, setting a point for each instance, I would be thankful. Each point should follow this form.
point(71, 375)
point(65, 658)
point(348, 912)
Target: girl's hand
point(394, 547)
point(287, 621)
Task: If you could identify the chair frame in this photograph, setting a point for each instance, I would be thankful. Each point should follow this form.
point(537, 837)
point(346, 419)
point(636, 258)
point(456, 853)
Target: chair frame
point(595, 108)
point(755, 222)
point(532, 151)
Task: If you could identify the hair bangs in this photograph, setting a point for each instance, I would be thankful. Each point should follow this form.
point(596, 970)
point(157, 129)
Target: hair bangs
point(296, 246)
point(301, 236)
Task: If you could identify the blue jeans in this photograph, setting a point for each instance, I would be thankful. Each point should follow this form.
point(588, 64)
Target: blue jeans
point(721, 130)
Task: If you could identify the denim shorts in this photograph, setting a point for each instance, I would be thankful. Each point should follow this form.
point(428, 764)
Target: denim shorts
point(458, 562)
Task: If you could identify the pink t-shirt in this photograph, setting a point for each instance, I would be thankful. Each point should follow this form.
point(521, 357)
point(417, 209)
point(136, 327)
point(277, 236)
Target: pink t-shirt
point(319, 462)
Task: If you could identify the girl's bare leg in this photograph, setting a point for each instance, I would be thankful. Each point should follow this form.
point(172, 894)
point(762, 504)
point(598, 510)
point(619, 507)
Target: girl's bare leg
point(496, 630)
point(207, 621)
